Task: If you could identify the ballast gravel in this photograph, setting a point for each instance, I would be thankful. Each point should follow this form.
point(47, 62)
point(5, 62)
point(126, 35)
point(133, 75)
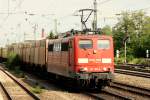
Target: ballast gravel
point(133, 80)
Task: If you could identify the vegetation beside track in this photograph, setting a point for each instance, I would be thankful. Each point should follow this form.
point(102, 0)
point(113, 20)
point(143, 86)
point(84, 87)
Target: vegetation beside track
point(132, 28)
point(13, 64)
point(139, 61)
point(13, 60)
point(37, 89)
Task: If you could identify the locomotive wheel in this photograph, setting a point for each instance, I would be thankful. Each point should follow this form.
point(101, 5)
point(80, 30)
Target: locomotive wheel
point(82, 83)
point(101, 84)
point(92, 83)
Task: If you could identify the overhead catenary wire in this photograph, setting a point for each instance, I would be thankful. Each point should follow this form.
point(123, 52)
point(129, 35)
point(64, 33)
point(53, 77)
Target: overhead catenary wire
point(103, 2)
point(10, 13)
point(7, 14)
point(19, 4)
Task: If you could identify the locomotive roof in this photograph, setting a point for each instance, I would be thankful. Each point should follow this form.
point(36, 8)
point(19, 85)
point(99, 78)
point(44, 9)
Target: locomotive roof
point(65, 39)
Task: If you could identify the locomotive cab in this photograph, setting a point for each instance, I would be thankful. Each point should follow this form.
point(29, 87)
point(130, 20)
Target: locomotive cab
point(85, 58)
point(94, 57)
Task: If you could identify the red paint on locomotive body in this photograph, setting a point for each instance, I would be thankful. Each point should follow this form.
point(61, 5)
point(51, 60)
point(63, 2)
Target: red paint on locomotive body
point(97, 57)
point(89, 59)
point(82, 56)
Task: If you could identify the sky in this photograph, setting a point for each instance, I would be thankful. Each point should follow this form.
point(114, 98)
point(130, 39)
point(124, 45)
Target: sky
point(27, 17)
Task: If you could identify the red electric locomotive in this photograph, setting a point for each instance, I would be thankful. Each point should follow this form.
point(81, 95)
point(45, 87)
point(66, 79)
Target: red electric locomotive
point(89, 59)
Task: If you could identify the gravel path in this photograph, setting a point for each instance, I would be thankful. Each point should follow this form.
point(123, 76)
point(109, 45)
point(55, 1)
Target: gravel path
point(54, 92)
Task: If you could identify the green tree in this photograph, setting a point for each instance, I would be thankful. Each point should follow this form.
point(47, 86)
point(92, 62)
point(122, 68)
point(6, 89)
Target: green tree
point(107, 30)
point(51, 35)
point(136, 27)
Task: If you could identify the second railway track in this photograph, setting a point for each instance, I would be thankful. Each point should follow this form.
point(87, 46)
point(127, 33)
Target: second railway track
point(121, 91)
point(135, 93)
point(133, 89)
point(108, 94)
point(134, 73)
point(13, 89)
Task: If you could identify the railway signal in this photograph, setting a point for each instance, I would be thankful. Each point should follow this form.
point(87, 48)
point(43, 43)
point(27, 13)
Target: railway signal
point(117, 53)
point(147, 53)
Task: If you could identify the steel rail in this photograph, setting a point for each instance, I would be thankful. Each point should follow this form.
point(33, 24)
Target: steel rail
point(5, 91)
point(22, 86)
point(117, 95)
point(133, 89)
point(134, 67)
point(134, 73)
point(139, 65)
point(98, 96)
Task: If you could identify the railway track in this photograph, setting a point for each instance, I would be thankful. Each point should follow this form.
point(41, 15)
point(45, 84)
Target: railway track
point(108, 95)
point(133, 89)
point(134, 73)
point(134, 67)
point(120, 91)
point(134, 92)
point(5, 94)
point(13, 89)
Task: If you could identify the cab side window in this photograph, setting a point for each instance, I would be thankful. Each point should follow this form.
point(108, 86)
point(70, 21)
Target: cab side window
point(50, 47)
point(57, 46)
point(64, 46)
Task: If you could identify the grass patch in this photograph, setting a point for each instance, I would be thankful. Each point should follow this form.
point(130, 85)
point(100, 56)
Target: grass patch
point(4, 63)
point(12, 61)
point(37, 89)
point(18, 72)
point(13, 64)
point(119, 60)
point(131, 60)
point(141, 61)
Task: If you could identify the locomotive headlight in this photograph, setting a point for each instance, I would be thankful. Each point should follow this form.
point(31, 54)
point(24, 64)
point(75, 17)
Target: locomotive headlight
point(106, 60)
point(105, 69)
point(83, 69)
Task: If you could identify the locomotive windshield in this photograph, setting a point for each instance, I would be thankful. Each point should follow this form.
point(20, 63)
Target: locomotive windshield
point(103, 44)
point(85, 44)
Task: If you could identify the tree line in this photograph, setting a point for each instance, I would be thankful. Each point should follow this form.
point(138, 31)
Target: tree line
point(134, 28)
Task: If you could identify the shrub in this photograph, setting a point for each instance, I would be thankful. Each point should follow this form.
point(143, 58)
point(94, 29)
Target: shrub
point(141, 61)
point(37, 89)
point(13, 60)
point(119, 60)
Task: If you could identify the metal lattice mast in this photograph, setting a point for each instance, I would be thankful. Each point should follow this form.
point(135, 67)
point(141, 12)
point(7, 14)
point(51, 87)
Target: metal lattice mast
point(95, 16)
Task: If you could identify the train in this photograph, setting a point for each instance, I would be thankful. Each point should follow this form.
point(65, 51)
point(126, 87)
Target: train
point(86, 58)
